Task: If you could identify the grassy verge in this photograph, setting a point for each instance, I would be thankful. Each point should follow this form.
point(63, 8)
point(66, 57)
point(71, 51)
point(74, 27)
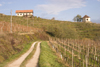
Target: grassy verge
point(48, 57)
point(28, 57)
point(16, 55)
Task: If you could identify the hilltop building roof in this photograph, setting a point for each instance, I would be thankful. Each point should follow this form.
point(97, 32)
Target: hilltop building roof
point(86, 16)
point(24, 11)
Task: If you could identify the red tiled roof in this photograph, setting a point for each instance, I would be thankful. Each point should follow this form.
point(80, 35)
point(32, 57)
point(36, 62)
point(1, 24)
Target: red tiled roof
point(23, 11)
point(86, 16)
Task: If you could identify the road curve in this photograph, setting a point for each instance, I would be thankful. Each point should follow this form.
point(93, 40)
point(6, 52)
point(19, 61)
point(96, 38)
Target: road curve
point(18, 62)
point(33, 62)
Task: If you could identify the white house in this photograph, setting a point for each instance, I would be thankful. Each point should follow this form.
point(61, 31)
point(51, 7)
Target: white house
point(25, 13)
point(86, 19)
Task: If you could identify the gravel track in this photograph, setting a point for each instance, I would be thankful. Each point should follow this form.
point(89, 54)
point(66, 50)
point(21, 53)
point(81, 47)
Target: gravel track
point(18, 62)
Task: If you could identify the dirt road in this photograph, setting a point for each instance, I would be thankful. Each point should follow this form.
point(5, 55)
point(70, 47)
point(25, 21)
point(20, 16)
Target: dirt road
point(34, 60)
point(18, 62)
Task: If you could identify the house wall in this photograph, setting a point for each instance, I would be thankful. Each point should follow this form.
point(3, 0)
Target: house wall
point(86, 19)
point(22, 14)
point(19, 14)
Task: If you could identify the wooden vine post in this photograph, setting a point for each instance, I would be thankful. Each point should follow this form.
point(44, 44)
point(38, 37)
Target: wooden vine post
point(88, 53)
point(78, 51)
point(86, 61)
point(88, 50)
point(95, 50)
point(72, 58)
point(92, 48)
point(68, 45)
point(83, 62)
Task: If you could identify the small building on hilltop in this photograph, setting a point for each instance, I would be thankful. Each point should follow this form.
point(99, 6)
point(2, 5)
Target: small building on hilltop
point(26, 13)
point(86, 19)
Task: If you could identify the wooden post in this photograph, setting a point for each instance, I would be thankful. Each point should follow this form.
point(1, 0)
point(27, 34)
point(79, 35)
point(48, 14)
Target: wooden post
point(61, 55)
point(27, 23)
point(68, 45)
point(88, 50)
point(83, 62)
point(95, 50)
point(78, 51)
point(92, 48)
point(86, 61)
point(72, 58)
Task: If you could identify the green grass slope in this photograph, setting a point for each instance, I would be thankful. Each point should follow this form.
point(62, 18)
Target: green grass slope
point(48, 57)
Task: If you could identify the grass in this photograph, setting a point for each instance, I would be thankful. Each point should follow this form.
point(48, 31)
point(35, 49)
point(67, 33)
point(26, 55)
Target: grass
point(28, 57)
point(48, 57)
point(16, 55)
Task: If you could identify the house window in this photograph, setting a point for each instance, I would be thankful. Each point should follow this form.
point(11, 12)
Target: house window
point(87, 19)
point(20, 14)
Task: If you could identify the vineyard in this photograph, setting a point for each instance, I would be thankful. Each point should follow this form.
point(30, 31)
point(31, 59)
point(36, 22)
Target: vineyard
point(77, 53)
point(6, 27)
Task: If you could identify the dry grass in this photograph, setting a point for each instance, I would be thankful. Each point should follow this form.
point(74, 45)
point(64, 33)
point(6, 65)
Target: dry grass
point(5, 27)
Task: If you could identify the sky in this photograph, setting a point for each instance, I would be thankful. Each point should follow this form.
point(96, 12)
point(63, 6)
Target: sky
point(64, 10)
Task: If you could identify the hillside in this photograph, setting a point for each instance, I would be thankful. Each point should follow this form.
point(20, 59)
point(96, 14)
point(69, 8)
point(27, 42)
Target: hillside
point(13, 45)
point(55, 28)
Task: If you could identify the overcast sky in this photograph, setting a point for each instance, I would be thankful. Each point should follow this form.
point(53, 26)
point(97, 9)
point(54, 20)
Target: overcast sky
point(60, 9)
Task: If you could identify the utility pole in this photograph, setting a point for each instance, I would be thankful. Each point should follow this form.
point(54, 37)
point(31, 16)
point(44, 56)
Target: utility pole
point(27, 22)
point(11, 22)
point(33, 20)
